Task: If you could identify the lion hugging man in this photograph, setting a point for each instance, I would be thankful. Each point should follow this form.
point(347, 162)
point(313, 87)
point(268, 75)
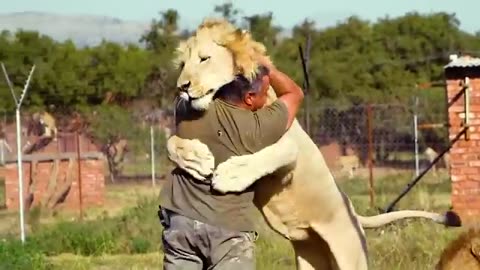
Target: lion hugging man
point(293, 187)
point(204, 229)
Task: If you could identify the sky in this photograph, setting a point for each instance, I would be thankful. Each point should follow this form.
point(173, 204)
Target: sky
point(286, 12)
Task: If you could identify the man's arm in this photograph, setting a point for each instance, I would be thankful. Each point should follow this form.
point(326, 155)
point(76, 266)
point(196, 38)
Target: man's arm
point(239, 172)
point(285, 88)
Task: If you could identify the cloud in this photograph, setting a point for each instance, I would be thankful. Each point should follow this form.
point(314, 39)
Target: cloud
point(82, 29)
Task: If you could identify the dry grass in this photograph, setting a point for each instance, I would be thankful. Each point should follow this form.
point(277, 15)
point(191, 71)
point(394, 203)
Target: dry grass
point(410, 245)
point(107, 262)
point(118, 197)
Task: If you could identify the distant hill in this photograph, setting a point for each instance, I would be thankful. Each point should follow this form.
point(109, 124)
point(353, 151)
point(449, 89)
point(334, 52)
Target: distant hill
point(82, 29)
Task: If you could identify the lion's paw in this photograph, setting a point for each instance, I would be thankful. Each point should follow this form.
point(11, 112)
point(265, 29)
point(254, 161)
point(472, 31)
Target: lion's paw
point(235, 175)
point(192, 156)
point(201, 155)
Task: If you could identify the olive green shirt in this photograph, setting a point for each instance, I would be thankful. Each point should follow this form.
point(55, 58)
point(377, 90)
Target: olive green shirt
point(228, 131)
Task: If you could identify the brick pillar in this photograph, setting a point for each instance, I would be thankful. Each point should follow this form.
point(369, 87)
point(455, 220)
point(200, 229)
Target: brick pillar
point(465, 154)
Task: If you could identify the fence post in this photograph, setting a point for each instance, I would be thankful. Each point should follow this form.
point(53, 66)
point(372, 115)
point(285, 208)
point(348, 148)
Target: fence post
point(152, 154)
point(2, 154)
point(370, 154)
point(18, 105)
point(79, 175)
point(415, 134)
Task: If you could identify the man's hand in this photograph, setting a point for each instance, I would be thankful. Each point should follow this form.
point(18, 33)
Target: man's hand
point(285, 88)
point(265, 61)
point(191, 156)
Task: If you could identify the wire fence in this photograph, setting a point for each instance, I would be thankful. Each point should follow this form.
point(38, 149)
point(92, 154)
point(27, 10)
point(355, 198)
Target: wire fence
point(372, 140)
point(138, 154)
point(357, 141)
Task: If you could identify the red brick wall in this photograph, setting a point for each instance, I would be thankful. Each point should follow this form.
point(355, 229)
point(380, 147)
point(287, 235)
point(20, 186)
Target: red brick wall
point(92, 177)
point(465, 154)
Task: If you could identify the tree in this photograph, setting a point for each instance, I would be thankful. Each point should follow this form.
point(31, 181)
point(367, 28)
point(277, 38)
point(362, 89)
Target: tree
point(161, 37)
point(161, 40)
point(228, 11)
point(262, 29)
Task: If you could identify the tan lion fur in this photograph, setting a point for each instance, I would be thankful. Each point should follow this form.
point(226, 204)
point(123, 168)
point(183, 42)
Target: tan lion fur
point(462, 253)
point(238, 42)
point(300, 200)
point(48, 122)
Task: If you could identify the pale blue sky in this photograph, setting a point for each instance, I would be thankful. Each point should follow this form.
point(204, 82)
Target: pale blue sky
point(286, 12)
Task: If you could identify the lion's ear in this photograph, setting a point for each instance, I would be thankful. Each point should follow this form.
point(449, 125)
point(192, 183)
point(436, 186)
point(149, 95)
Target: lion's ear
point(182, 46)
point(178, 54)
point(475, 248)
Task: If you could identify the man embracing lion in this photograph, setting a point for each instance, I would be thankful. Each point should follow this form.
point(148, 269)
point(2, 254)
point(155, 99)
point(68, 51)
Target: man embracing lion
point(204, 229)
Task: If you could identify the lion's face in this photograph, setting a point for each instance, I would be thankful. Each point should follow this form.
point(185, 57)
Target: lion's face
point(212, 58)
point(205, 67)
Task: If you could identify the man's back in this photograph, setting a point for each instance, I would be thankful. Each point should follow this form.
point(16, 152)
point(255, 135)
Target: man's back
point(228, 131)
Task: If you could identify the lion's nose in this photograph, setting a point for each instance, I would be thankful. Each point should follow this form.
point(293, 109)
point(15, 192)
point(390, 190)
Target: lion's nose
point(184, 86)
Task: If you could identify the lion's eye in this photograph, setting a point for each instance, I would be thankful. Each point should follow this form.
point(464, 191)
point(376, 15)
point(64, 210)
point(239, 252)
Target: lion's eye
point(204, 58)
point(181, 65)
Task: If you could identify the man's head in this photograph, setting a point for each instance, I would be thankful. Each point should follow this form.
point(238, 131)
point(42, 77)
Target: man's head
point(242, 93)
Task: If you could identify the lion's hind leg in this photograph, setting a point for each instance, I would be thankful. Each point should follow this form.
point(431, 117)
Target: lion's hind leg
point(313, 253)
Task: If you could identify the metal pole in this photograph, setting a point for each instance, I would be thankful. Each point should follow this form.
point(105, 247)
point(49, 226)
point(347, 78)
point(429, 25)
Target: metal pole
point(306, 86)
point(415, 181)
point(18, 103)
point(466, 107)
point(415, 134)
point(20, 173)
point(370, 155)
point(152, 154)
point(2, 157)
point(79, 175)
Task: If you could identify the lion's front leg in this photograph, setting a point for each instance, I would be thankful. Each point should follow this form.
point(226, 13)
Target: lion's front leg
point(192, 156)
point(239, 172)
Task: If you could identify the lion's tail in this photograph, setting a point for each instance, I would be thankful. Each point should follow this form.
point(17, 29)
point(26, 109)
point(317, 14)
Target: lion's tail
point(449, 219)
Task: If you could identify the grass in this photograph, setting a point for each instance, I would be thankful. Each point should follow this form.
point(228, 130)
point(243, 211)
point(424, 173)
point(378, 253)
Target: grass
point(142, 167)
point(409, 244)
point(126, 234)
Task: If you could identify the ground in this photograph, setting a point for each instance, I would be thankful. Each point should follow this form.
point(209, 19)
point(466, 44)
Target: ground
point(408, 245)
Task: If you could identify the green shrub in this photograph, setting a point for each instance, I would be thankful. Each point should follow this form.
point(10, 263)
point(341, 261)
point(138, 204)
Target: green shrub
point(136, 231)
point(14, 255)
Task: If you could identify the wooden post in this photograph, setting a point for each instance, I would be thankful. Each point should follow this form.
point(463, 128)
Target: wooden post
point(79, 175)
point(370, 154)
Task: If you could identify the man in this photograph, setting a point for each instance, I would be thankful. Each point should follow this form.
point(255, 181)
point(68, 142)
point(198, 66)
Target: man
point(202, 228)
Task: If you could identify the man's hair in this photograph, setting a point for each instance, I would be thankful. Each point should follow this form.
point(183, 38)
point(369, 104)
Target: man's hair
point(240, 86)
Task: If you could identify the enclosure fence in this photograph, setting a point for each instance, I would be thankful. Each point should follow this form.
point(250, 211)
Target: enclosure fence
point(366, 141)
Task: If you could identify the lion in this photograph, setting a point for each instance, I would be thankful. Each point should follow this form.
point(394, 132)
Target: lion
point(295, 192)
point(349, 164)
point(47, 123)
point(462, 253)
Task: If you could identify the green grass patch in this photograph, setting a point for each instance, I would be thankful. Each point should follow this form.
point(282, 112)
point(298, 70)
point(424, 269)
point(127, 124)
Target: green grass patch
point(131, 239)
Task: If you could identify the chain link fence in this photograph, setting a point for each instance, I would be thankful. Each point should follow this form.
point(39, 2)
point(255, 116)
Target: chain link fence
point(366, 141)
point(138, 153)
point(373, 140)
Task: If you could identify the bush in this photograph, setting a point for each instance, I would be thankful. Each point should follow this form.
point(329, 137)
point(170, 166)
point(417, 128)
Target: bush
point(136, 231)
point(14, 255)
point(85, 238)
